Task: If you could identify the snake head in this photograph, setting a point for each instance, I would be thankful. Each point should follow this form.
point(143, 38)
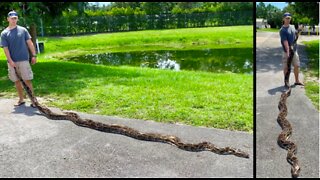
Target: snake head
point(295, 171)
point(240, 153)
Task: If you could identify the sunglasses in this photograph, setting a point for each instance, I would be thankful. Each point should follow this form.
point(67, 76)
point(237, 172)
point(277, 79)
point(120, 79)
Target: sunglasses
point(14, 18)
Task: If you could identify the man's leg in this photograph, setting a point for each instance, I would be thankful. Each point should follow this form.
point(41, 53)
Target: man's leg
point(296, 69)
point(29, 84)
point(296, 75)
point(27, 76)
point(285, 70)
point(19, 88)
point(20, 91)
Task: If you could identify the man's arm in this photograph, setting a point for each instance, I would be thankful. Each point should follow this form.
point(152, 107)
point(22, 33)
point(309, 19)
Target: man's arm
point(4, 45)
point(33, 51)
point(284, 40)
point(7, 53)
point(286, 46)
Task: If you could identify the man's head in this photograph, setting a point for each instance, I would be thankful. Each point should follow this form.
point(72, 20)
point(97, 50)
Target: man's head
point(12, 14)
point(286, 16)
point(12, 17)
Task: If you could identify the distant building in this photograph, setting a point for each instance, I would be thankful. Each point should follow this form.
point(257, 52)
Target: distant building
point(261, 23)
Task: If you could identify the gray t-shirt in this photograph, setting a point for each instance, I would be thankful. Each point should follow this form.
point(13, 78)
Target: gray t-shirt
point(15, 39)
point(289, 34)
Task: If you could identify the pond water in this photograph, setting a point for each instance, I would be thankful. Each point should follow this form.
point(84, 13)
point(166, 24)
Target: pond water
point(211, 60)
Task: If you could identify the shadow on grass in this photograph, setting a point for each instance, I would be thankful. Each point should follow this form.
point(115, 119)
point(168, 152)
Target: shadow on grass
point(66, 77)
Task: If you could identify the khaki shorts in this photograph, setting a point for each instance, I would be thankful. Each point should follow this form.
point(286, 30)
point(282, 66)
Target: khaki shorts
point(24, 70)
point(295, 60)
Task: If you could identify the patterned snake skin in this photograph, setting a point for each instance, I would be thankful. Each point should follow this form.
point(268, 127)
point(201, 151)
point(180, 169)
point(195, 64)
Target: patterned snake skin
point(127, 131)
point(283, 137)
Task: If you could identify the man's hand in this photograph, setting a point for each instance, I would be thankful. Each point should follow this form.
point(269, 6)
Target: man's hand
point(12, 64)
point(288, 54)
point(33, 60)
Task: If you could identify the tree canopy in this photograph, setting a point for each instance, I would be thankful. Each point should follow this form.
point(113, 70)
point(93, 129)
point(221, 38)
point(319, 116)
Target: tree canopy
point(74, 17)
point(307, 10)
point(302, 13)
point(152, 8)
point(30, 13)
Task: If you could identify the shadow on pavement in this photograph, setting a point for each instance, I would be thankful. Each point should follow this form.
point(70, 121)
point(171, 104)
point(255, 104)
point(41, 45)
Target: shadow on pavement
point(26, 110)
point(275, 90)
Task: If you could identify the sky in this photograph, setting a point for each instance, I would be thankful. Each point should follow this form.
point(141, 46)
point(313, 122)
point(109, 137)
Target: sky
point(279, 5)
point(100, 3)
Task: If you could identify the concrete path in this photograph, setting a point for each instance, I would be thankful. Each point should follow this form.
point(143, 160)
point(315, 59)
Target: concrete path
point(304, 118)
point(33, 146)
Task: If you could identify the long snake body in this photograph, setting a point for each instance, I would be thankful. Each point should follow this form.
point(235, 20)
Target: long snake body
point(283, 137)
point(128, 131)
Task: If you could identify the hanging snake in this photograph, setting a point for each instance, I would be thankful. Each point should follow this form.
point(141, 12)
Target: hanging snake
point(283, 137)
point(127, 131)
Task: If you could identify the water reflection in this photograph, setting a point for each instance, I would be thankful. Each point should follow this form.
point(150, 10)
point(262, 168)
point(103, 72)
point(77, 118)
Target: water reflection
point(212, 60)
point(168, 64)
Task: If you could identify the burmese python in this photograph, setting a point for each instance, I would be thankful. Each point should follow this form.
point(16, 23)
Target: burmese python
point(125, 130)
point(283, 137)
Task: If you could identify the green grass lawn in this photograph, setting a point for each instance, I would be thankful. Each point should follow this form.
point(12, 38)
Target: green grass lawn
point(173, 39)
point(312, 72)
point(268, 30)
point(220, 100)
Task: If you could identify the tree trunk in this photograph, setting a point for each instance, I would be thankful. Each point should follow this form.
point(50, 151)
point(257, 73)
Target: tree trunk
point(33, 33)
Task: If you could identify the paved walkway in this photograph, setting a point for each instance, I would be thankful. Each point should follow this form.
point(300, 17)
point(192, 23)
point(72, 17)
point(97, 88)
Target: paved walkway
point(33, 146)
point(304, 118)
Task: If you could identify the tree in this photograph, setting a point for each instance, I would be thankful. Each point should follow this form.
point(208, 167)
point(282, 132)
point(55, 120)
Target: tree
point(274, 16)
point(271, 13)
point(275, 19)
point(152, 8)
point(132, 5)
point(307, 9)
point(5, 7)
point(32, 12)
point(296, 18)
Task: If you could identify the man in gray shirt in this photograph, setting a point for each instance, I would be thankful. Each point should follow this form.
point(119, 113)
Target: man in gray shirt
point(15, 41)
point(287, 34)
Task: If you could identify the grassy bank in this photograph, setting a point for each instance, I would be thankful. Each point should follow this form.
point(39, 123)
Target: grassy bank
point(312, 72)
point(173, 39)
point(268, 30)
point(220, 100)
